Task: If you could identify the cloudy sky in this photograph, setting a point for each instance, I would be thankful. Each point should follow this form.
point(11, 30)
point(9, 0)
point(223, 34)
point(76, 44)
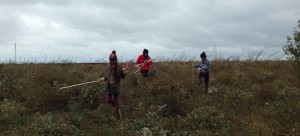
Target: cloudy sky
point(88, 30)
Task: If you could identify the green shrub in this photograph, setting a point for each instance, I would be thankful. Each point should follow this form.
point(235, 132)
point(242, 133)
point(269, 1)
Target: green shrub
point(77, 120)
point(138, 125)
point(292, 48)
point(49, 124)
point(206, 118)
point(7, 87)
point(9, 111)
point(74, 106)
point(174, 107)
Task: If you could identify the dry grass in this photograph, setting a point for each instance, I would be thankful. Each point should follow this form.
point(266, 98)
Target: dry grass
point(249, 98)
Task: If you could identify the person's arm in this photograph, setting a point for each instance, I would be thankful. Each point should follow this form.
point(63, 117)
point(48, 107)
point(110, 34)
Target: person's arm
point(122, 72)
point(197, 65)
point(208, 66)
point(149, 61)
point(138, 61)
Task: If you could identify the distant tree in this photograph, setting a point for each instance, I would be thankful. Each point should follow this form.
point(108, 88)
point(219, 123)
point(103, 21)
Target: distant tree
point(292, 48)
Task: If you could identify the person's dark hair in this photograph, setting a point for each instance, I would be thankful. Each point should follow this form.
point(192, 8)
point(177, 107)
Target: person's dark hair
point(203, 55)
point(145, 51)
point(113, 56)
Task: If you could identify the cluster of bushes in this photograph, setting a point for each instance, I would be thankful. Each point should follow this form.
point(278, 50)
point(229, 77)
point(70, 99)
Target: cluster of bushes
point(248, 98)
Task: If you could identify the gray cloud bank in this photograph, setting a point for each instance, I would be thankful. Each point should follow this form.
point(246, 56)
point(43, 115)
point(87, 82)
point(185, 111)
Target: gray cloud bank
point(89, 30)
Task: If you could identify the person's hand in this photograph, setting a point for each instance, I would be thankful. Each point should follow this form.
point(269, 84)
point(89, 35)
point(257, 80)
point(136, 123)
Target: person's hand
point(101, 79)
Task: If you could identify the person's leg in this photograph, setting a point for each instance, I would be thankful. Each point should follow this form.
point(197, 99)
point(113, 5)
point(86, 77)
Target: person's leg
point(144, 73)
point(200, 78)
point(117, 106)
point(206, 78)
point(108, 99)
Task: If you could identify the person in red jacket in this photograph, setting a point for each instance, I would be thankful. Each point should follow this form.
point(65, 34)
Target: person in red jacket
point(144, 61)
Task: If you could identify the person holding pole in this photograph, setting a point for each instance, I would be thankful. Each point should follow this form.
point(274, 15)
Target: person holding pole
point(203, 70)
point(144, 61)
point(113, 77)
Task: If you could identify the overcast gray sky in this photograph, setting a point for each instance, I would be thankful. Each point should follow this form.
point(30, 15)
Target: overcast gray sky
point(88, 30)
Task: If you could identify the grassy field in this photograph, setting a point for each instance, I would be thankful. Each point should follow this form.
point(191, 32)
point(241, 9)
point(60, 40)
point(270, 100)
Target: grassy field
point(249, 98)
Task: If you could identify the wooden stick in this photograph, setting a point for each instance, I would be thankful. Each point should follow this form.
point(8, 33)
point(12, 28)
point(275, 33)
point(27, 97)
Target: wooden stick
point(142, 65)
point(79, 84)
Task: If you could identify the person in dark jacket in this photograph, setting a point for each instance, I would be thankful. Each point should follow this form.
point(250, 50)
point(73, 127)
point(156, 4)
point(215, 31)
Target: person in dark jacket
point(114, 74)
point(144, 61)
point(203, 70)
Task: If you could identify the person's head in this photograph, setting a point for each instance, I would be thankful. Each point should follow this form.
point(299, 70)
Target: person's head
point(145, 53)
point(203, 56)
point(113, 59)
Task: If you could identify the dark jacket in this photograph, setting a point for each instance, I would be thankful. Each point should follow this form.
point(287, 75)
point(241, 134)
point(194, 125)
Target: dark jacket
point(114, 89)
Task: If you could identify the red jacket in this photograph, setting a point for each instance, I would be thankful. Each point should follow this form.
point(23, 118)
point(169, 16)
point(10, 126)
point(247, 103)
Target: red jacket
point(141, 59)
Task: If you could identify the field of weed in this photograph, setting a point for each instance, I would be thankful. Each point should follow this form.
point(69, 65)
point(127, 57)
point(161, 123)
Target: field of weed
point(248, 98)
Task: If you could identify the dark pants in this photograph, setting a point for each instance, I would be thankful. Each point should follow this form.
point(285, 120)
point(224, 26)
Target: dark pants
point(113, 100)
point(206, 79)
point(144, 73)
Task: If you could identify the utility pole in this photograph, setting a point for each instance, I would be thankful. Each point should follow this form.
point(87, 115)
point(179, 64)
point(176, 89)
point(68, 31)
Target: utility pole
point(215, 52)
point(15, 52)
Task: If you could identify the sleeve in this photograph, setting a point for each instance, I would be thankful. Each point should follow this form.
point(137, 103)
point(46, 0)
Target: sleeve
point(122, 74)
point(208, 65)
point(138, 61)
point(197, 65)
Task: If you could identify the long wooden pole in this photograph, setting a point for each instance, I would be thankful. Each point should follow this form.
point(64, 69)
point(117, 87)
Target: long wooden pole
point(79, 84)
point(142, 65)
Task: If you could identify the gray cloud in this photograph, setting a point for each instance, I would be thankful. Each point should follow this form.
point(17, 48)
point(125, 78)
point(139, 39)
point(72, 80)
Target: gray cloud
point(90, 29)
